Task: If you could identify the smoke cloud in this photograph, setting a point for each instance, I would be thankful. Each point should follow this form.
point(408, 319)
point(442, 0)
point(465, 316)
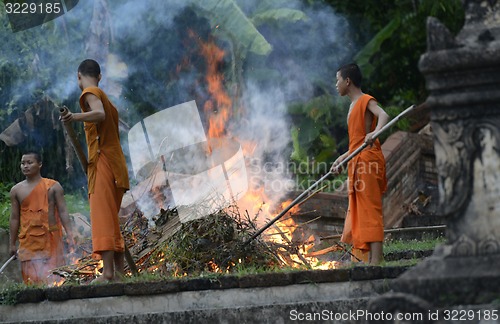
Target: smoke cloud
point(150, 61)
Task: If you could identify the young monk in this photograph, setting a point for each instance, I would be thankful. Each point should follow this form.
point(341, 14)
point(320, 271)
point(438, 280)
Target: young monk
point(38, 210)
point(364, 225)
point(107, 169)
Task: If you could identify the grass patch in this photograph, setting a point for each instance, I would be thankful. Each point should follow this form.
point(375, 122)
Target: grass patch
point(391, 246)
point(77, 204)
point(8, 294)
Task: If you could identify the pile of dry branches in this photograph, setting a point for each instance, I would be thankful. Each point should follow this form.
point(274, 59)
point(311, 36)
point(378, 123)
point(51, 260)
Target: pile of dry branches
point(215, 243)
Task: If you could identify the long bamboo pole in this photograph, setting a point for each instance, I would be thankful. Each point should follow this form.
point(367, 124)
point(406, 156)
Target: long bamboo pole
point(340, 166)
point(63, 111)
point(83, 162)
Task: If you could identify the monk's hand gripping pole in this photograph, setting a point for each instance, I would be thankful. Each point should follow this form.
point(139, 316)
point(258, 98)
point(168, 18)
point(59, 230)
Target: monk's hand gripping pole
point(339, 167)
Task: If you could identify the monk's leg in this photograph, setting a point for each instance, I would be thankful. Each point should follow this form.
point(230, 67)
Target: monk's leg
point(119, 260)
point(113, 266)
point(376, 253)
point(108, 269)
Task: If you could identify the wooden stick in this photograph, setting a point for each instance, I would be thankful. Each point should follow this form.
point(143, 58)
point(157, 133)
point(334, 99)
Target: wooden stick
point(309, 221)
point(323, 251)
point(74, 140)
point(285, 238)
point(7, 262)
point(312, 194)
point(339, 167)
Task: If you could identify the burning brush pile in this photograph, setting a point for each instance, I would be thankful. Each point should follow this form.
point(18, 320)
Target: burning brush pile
point(217, 243)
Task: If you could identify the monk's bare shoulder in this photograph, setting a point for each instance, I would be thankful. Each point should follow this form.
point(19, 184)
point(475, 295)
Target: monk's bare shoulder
point(14, 194)
point(18, 187)
point(56, 188)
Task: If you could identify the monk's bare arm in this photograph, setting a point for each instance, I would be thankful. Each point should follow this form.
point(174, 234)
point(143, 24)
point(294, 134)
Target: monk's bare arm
point(334, 169)
point(52, 207)
point(63, 212)
point(95, 113)
point(15, 213)
point(382, 119)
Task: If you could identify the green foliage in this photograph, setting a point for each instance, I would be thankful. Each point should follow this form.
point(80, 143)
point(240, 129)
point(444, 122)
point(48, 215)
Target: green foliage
point(76, 203)
point(278, 16)
point(392, 37)
point(235, 24)
point(8, 294)
point(316, 126)
point(363, 57)
point(5, 205)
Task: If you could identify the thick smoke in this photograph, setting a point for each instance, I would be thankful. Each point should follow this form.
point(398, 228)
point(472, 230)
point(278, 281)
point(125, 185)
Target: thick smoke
point(149, 40)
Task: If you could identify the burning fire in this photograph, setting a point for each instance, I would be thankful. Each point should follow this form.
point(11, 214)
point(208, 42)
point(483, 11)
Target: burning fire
point(218, 110)
point(285, 232)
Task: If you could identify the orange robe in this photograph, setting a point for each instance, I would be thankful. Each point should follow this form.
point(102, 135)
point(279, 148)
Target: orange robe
point(40, 244)
point(107, 176)
point(367, 183)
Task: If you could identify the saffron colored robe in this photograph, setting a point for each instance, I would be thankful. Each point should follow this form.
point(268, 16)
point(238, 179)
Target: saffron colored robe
point(367, 182)
point(40, 243)
point(107, 176)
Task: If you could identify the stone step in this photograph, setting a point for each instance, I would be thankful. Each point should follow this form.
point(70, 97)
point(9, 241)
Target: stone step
point(419, 235)
point(406, 255)
point(422, 220)
point(264, 298)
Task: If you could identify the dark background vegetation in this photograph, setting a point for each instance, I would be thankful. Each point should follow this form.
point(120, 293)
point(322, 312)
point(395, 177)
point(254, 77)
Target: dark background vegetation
point(386, 38)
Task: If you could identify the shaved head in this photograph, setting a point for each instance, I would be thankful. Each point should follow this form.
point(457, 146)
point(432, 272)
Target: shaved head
point(90, 68)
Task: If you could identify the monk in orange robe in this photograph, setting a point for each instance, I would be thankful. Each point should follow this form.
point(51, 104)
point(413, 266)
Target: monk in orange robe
point(364, 224)
point(107, 169)
point(38, 213)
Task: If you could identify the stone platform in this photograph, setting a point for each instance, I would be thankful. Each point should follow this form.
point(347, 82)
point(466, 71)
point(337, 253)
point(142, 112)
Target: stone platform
point(264, 298)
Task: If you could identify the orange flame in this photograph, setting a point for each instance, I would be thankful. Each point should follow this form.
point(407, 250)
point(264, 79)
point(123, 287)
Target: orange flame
point(219, 107)
point(218, 110)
